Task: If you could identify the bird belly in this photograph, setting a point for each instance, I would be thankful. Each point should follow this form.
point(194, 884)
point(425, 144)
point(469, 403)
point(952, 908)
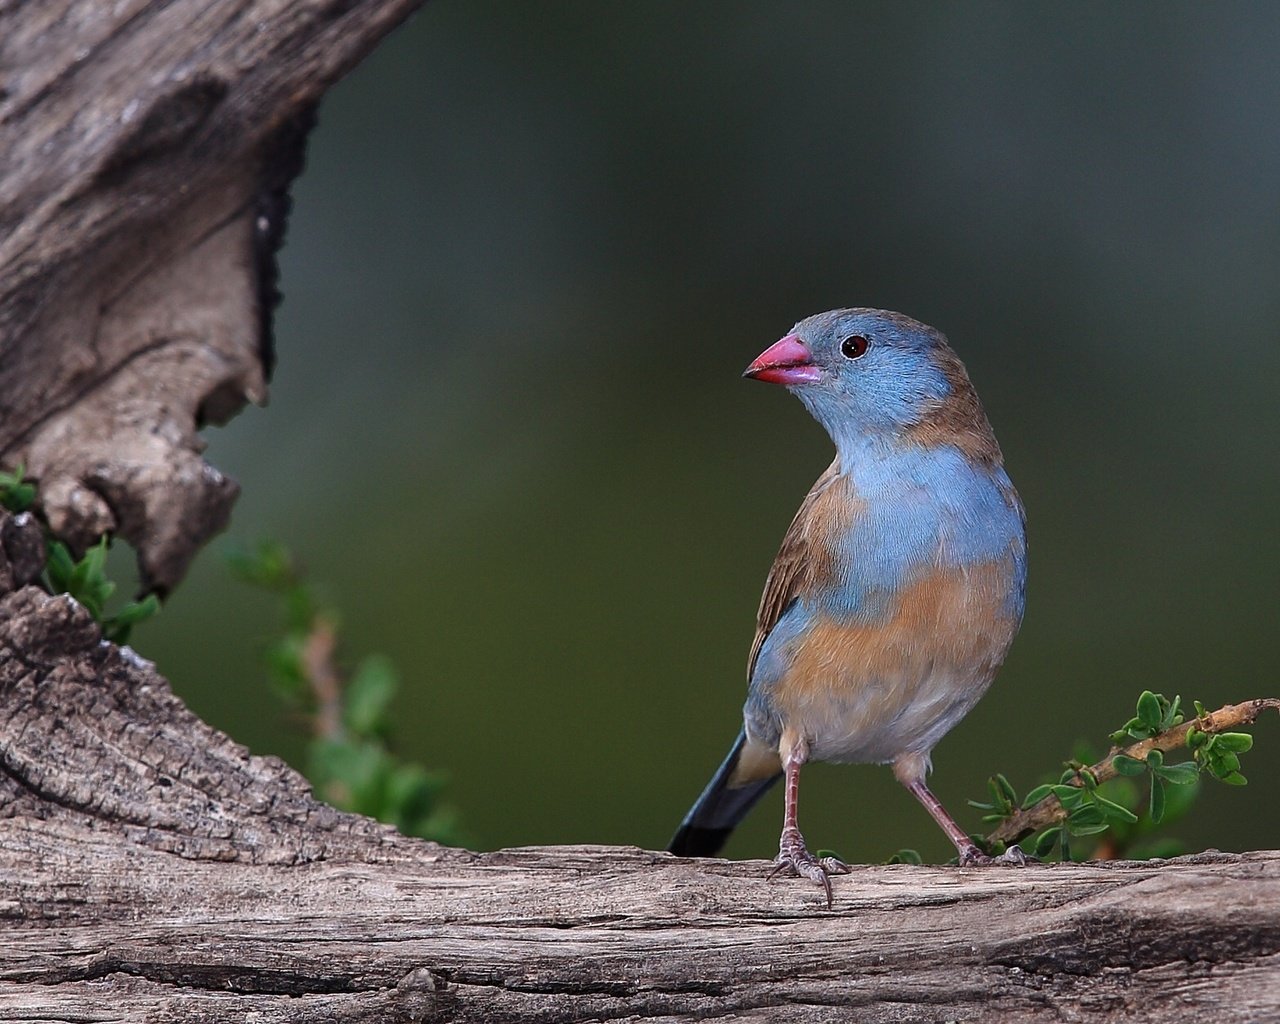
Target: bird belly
point(872, 692)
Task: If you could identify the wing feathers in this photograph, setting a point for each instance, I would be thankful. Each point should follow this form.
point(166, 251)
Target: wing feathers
point(803, 560)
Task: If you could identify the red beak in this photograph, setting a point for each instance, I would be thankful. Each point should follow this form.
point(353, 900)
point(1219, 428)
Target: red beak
point(788, 361)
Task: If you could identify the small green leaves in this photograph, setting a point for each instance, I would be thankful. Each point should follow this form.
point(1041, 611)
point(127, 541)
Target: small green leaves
point(1155, 714)
point(118, 627)
point(901, 857)
point(368, 696)
point(1046, 841)
point(1128, 793)
point(84, 580)
point(1004, 799)
point(1236, 742)
point(16, 494)
point(1179, 774)
point(1149, 710)
point(1036, 795)
point(1126, 765)
point(1112, 811)
point(350, 761)
point(1156, 809)
point(1219, 754)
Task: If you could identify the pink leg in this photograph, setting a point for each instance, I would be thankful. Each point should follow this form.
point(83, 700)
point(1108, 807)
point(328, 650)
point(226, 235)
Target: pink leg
point(793, 854)
point(966, 847)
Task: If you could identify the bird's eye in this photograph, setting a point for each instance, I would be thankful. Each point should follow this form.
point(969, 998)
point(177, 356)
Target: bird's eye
point(853, 346)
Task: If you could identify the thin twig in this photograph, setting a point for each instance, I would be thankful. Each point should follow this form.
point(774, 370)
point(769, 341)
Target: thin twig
point(323, 677)
point(1049, 811)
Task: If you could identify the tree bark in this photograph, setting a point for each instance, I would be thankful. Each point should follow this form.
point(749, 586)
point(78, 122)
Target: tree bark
point(146, 147)
point(152, 870)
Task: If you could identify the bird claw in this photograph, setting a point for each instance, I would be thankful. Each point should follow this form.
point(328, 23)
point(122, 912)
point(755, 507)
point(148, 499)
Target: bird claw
point(1014, 856)
point(794, 856)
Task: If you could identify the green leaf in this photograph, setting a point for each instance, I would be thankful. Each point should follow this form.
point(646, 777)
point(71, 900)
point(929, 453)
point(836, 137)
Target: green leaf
point(1225, 762)
point(285, 668)
point(1005, 789)
point(1089, 814)
point(1237, 742)
point(1126, 765)
point(1171, 716)
point(119, 626)
point(1234, 779)
point(1155, 758)
point(1046, 841)
point(1087, 830)
point(1036, 795)
point(87, 582)
point(1196, 738)
point(268, 564)
point(59, 565)
point(410, 796)
point(1113, 811)
point(1068, 796)
point(368, 696)
point(15, 493)
point(1179, 774)
point(1156, 810)
point(901, 857)
point(1150, 712)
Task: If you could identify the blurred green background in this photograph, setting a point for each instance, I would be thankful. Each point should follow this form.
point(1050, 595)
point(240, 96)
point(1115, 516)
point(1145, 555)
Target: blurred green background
point(533, 249)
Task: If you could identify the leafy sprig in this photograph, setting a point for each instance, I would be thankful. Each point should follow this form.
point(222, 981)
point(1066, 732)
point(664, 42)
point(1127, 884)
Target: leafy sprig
point(17, 494)
point(348, 713)
point(85, 578)
point(1126, 795)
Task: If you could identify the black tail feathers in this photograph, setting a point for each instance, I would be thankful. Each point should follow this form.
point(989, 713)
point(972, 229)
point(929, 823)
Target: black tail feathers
point(718, 810)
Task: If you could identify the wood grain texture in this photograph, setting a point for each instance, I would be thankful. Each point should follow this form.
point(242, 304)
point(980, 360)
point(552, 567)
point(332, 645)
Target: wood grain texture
point(145, 150)
point(152, 870)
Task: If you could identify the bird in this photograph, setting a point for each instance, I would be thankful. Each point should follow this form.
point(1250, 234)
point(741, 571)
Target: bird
point(897, 590)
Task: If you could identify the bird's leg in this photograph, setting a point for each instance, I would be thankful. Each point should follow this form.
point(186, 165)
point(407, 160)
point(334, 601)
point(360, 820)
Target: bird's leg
point(793, 854)
point(966, 847)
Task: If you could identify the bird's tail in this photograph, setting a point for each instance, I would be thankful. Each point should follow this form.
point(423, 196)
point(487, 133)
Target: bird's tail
point(743, 778)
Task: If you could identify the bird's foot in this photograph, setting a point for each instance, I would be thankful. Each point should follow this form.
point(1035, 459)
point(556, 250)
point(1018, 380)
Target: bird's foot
point(1014, 856)
point(794, 856)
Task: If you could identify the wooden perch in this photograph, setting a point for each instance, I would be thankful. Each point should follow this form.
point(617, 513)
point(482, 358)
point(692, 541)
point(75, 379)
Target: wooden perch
point(152, 870)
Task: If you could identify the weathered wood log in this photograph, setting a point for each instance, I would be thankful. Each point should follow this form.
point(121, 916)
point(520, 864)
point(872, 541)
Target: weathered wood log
point(152, 870)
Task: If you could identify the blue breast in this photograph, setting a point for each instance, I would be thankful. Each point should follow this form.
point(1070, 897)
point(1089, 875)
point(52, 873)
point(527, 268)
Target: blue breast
point(923, 509)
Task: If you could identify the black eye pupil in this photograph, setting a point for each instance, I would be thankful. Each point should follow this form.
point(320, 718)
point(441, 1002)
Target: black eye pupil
point(854, 346)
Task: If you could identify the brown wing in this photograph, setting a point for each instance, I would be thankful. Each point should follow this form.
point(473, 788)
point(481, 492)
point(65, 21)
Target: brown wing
point(799, 560)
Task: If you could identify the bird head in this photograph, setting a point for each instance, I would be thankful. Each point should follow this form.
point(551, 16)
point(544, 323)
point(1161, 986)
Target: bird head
point(864, 373)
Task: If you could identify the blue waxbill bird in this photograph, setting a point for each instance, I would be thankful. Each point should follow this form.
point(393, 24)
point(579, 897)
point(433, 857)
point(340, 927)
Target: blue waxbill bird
point(898, 588)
